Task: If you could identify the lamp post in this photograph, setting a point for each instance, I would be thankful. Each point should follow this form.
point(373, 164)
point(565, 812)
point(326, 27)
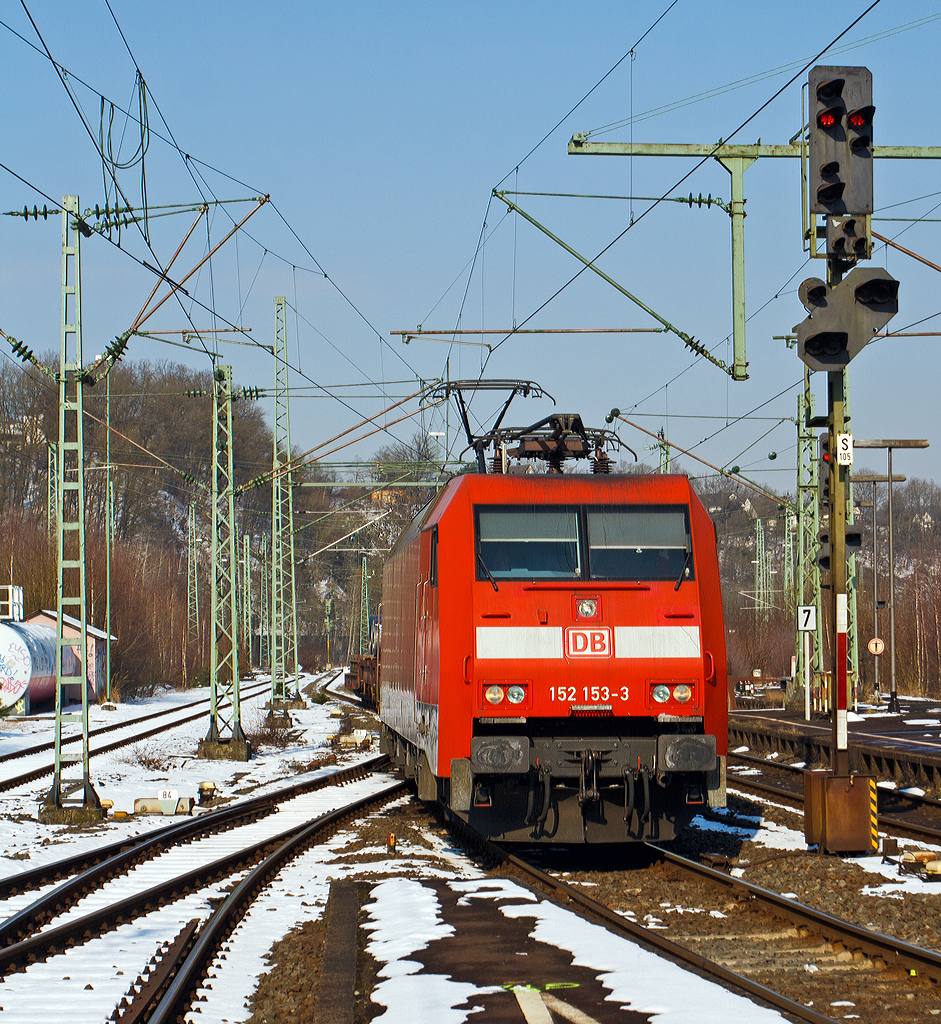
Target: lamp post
point(893, 705)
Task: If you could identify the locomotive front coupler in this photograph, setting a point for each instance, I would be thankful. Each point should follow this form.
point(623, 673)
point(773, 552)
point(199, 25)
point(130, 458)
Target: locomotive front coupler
point(588, 791)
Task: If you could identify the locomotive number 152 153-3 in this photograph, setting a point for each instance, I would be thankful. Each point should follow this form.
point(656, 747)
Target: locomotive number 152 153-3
point(592, 693)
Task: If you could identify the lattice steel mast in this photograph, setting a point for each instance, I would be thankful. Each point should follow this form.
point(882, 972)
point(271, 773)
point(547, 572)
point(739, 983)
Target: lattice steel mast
point(52, 496)
point(192, 583)
point(807, 575)
point(664, 451)
point(787, 600)
point(109, 536)
point(225, 725)
point(264, 604)
point(763, 600)
point(71, 791)
point(283, 590)
point(246, 592)
point(364, 611)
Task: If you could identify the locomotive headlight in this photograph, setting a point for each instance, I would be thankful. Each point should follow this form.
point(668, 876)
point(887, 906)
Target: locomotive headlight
point(587, 608)
point(661, 693)
point(516, 694)
point(494, 694)
point(682, 693)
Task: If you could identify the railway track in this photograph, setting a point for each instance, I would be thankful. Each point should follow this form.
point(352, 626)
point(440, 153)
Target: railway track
point(171, 719)
point(907, 814)
point(907, 758)
point(347, 698)
point(39, 748)
point(774, 948)
point(221, 859)
point(770, 946)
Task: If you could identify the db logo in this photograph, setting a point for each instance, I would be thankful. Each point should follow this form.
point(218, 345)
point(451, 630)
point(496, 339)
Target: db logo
point(588, 643)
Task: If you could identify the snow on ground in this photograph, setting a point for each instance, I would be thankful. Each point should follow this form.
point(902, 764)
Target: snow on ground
point(300, 894)
point(773, 836)
point(405, 918)
point(142, 769)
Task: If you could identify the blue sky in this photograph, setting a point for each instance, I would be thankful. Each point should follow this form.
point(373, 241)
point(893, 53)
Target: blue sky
point(380, 129)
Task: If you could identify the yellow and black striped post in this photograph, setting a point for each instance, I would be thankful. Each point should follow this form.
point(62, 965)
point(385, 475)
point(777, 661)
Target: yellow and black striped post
point(873, 816)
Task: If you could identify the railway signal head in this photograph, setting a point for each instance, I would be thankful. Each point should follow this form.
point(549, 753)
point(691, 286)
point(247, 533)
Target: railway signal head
point(823, 478)
point(823, 549)
point(853, 542)
point(813, 294)
point(848, 237)
point(840, 145)
point(875, 301)
point(844, 318)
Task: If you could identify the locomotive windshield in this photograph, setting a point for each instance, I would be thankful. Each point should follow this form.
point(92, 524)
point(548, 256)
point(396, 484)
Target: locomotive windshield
point(529, 543)
point(639, 543)
point(636, 542)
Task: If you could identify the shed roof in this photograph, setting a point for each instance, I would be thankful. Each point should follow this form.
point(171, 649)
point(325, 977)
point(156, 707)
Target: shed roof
point(98, 634)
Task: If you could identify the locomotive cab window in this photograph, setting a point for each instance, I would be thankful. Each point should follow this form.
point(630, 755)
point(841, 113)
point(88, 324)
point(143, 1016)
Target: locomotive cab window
point(528, 543)
point(644, 542)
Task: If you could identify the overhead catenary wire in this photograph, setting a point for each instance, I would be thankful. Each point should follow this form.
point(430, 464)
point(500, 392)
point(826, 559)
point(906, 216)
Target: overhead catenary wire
point(760, 438)
point(188, 159)
point(693, 170)
point(597, 84)
point(697, 359)
point(228, 325)
point(666, 194)
point(240, 321)
point(482, 235)
point(758, 77)
point(684, 451)
point(118, 190)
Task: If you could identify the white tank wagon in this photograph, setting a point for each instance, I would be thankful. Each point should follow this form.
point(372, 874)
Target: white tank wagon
point(28, 663)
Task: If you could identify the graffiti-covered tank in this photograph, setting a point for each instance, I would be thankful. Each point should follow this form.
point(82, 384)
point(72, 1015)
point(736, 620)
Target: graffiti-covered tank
point(28, 662)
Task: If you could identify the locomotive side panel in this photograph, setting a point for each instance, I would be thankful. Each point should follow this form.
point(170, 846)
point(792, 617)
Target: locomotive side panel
point(456, 709)
point(399, 642)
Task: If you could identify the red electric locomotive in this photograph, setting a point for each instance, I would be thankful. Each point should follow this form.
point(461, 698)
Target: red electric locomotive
point(553, 656)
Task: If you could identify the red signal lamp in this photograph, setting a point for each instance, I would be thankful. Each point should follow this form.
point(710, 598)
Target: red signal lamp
point(830, 117)
point(862, 117)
